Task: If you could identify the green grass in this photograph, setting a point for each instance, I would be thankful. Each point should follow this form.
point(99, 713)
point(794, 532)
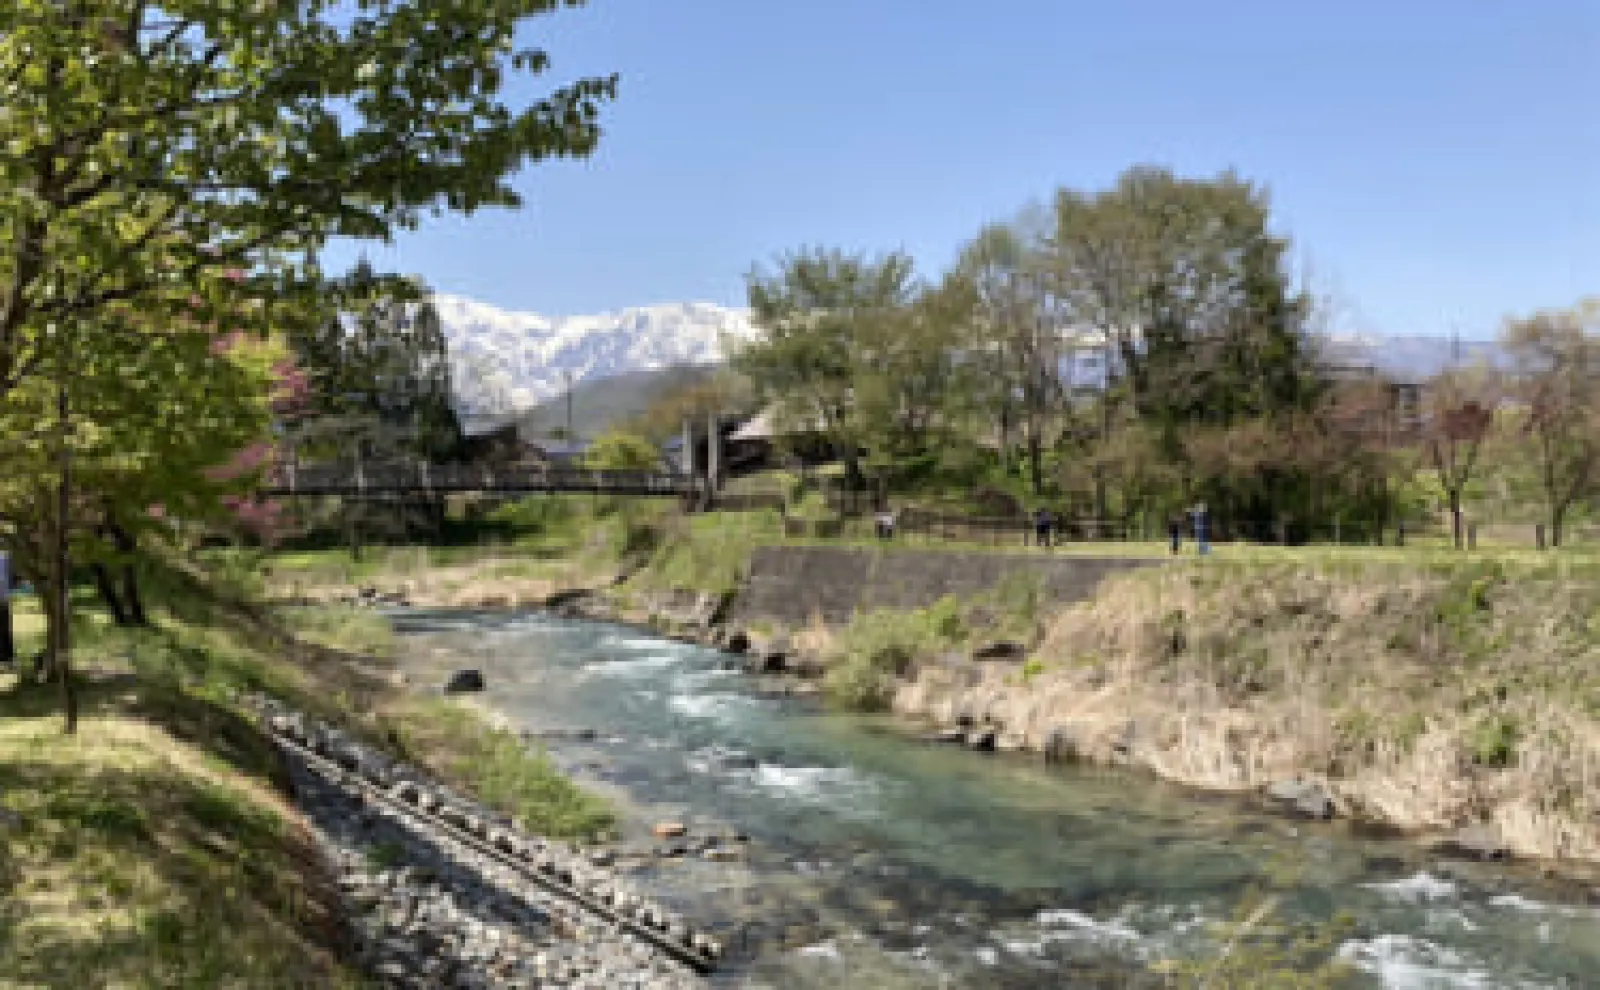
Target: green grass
point(158, 847)
point(708, 552)
point(345, 628)
point(497, 767)
point(155, 848)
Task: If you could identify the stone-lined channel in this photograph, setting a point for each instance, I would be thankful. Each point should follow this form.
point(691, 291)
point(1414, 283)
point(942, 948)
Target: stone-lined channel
point(879, 860)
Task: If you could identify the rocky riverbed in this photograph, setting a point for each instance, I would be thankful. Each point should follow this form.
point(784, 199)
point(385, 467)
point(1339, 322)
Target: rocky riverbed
point(431, 907)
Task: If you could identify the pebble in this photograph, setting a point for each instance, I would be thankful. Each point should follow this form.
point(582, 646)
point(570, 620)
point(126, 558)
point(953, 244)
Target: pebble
point(439, 913)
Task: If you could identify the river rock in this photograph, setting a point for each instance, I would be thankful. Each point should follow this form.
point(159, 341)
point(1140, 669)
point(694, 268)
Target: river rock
point(1060, 746)
point(947, 736)
point(1002, 649)
point(669, 830)
point(766, 662)
point(1475, 841)
point(737, 641)
point(463, 680)
point(982, 740)
point(1304, 798)
point(1010, 742)
point(807, 665)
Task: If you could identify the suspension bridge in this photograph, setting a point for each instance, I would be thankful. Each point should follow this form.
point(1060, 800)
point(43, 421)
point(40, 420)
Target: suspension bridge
point(386, 481)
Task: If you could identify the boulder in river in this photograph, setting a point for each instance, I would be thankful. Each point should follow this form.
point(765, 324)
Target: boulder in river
point(1305, 798)
point(669, 830)
point(1001, 649)
point(981, 739)
point(1060, 746)
point(766, 662)
point(1476, 842)
point(737, 641)
point(463, 680)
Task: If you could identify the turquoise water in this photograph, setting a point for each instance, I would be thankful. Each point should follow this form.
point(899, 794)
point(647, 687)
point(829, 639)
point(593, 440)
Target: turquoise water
point(879, 860)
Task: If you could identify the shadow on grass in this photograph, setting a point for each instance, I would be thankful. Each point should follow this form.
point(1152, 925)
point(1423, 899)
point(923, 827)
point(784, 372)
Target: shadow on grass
point(130, 870)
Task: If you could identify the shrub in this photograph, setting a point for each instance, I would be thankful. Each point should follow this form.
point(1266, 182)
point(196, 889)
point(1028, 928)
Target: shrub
point(945, 620)
point(619, 450)
point(1494, 741)
point(880, 646)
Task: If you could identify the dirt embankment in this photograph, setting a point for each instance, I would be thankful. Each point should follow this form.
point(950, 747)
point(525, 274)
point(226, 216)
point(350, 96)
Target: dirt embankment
point(1462, 700)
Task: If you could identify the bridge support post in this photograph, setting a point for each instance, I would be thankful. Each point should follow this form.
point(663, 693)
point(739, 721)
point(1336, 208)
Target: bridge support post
point(713, 456)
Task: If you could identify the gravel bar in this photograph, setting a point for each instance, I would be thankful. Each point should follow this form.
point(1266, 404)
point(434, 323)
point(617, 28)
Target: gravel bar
point(443, 893)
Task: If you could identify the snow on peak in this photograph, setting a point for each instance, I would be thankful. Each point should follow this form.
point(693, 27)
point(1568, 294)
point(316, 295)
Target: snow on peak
point(505, 360)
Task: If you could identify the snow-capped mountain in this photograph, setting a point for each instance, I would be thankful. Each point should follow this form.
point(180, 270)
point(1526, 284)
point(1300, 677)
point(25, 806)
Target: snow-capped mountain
point(506, 360)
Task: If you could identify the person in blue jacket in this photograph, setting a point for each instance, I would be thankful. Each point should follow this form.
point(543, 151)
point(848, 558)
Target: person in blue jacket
point(1202, 535)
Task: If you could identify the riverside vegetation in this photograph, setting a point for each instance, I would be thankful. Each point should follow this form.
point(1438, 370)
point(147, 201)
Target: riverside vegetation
point(157, 846)
point(1421, 688)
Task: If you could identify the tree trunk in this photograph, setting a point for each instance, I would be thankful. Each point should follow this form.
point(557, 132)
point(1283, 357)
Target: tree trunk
point(108, 594)
point(1035, 461)
point(1557, 517)
point(1457, 529)
point(8, 646)
point(63, 654)
point(49, 601)
point(131, 599)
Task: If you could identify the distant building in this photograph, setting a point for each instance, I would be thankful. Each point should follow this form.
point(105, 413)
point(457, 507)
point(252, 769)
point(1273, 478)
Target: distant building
point(498, 444)
point(562, 453)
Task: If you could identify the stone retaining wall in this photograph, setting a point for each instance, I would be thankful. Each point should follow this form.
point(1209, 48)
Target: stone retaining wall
point(789, 585)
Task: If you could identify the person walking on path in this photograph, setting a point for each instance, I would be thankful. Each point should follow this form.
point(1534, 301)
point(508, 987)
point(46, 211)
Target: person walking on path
point(885, 521)
point(1175, 532)
point(1202, 520)
point(1041, 526)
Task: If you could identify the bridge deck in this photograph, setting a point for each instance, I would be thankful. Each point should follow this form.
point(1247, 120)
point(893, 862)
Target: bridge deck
point(391, 479)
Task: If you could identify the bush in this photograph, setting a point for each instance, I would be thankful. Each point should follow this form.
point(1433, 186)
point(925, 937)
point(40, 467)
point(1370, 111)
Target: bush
point(537, 514)
point(1494, 742)
point(619, 450)
point(879, 647)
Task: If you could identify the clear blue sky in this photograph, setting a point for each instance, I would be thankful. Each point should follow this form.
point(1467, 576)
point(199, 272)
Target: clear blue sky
point(1438, 162)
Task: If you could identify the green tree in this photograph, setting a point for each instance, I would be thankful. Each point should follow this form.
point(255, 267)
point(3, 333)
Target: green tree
point(910, 384)
point(1190, 282)
point(1188, 286)
point(619, 450)
point(156, 150)
point(1016, 344)
point(382, 359)
point(174, 166)
point(814, 311)
point(125, 440)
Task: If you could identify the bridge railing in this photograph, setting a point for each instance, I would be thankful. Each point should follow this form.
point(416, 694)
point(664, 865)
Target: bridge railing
point(335, 478)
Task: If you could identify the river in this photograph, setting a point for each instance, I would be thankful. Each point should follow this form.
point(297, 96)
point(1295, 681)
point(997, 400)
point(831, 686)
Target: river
point(878, 860)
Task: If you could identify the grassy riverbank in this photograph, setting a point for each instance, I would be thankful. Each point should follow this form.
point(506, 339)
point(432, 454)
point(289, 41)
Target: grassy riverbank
point(1425, 687)
point(157, 845)
point(1429, 691)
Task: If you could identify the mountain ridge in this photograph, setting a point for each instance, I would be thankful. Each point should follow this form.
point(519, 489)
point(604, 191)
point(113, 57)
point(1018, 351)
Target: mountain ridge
point(509, 361)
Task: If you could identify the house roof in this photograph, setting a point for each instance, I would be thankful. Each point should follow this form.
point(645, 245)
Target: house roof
point(764, 426)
